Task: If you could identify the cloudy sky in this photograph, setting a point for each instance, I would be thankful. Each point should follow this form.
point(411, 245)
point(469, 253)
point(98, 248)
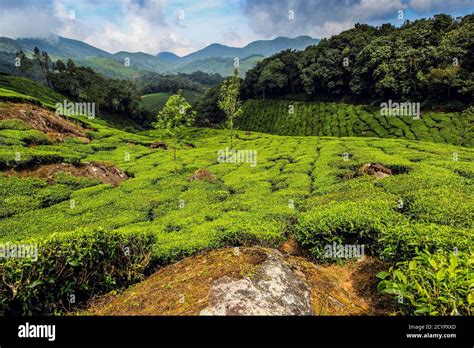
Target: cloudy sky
point(183, 26)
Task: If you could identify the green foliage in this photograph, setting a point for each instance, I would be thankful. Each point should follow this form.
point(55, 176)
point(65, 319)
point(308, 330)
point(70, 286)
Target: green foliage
point(272, 76)
point(14, 124)
point(287, 117)
point(432, 284)
point(174, 118)
point(208, 112)
point(249, 205)
point(29, 90)
point(196, 81)
point(229, 102)
point(360, 222)
point(23, 137)
point(425, 60)
point(155, 102)
point(223, 66)
point(80, 264)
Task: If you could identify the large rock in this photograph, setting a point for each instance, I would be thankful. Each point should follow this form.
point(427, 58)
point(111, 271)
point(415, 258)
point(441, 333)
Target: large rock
point(274, 289)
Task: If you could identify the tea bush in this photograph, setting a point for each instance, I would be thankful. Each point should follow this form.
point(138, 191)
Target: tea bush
point(359, 222)
point(71, 268)
point(339, 119)
point(301, 186)
point(437, 283)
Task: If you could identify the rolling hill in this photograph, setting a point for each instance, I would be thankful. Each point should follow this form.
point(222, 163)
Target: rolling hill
point(263, 48)
point(215, 58)
point(222, 66)
point(345, 120)
point(393, 196)
point(156, 101)
point(63, 47)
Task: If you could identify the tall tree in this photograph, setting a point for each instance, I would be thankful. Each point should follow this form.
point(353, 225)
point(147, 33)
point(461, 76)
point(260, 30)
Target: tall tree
point(230, 103)
point(25, 64)
point(272, 76)
point(44, 61)
point(174, 118)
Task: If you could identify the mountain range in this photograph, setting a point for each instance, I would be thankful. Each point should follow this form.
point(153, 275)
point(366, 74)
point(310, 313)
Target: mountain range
point(215, 58)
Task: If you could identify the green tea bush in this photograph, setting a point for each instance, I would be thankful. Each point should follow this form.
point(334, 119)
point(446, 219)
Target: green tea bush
point(399, 242)
point(450, 206)
point(301, 185)
point(14, 124)
point(339, 119)
point(26, 137)
point(360, 222)
point(437, 283)
point(79, 264)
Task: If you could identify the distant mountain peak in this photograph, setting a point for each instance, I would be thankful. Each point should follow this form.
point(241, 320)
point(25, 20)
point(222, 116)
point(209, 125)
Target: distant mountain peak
point(215, 57)
point(169, 57)
point(261, 47)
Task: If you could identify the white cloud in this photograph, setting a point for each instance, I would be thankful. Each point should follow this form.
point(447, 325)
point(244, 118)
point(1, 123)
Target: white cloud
point(28, 21)
point(232, 38)
point(425, 6)
point(151, 25)
point(322, 18)
point(139, 27)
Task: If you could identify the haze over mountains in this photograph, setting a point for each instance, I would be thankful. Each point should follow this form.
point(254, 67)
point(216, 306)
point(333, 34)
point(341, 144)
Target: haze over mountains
point(215, 58)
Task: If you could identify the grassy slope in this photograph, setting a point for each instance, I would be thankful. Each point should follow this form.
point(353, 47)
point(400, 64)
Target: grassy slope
point(19, 89)
point(110, 68)
point(27, 89)
point(223, 66)
point(156, 101)
point(338, 119)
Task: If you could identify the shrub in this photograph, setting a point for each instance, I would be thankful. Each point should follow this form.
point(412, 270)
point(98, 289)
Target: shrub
point(432, 284)
point(14, 124)
point(80, 264)
point(360, 222)
point(401, 241)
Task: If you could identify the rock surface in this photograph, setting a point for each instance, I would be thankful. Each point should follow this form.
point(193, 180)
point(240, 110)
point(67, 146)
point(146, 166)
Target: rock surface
point(274, 289)
point(203, 174)
point(235, 281)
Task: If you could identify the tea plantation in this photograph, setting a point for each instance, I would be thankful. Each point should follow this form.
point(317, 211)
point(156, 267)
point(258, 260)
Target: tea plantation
point(95, 237)
point(286, 117)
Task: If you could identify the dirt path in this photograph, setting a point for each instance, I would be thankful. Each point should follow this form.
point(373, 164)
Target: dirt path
point(105, 173)
point(56, 127)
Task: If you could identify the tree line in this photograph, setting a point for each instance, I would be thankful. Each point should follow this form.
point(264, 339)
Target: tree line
point(114, 96)
point(171, 83)
point(427, 60)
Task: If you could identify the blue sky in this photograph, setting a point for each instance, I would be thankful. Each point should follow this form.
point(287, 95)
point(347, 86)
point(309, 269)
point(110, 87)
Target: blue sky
point(183, 26)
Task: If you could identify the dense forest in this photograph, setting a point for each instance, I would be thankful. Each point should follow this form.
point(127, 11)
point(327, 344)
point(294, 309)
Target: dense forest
point(430, 60)
point(115, 96)
point(195, 81)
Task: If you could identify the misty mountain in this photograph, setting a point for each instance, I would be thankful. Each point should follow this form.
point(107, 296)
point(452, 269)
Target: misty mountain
point(62, 47)
point(215, 58)
point(263, 48)
point(169, 57)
